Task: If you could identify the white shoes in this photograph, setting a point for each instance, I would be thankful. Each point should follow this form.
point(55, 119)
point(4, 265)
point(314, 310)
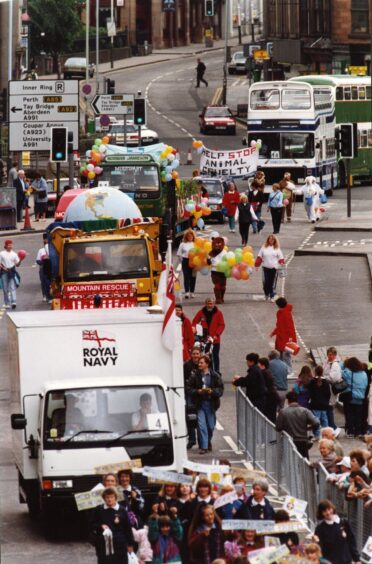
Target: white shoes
point(44, 299)
point(192, 295)
point(187, 295)
point(336, 432)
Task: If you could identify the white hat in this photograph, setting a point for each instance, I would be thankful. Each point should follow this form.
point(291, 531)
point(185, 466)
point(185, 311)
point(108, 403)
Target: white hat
point(345, 462)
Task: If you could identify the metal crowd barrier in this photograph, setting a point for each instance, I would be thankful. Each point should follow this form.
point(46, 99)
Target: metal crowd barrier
point(359, 517)
point(290, 473)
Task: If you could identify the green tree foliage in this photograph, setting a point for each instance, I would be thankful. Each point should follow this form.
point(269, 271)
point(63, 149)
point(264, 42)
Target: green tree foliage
point(54, 25)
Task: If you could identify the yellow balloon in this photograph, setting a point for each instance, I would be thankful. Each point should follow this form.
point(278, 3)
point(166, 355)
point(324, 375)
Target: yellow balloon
point(197, 261)
point(198, 214)
point(226, 248)
point(247, 257)
point(168, 150)
point(163, 155)
point(199, 242)
point(178, 183)
point(250, 261)
point(207, 246)
point(231, 261)
point(91, 174)
point(247, 249)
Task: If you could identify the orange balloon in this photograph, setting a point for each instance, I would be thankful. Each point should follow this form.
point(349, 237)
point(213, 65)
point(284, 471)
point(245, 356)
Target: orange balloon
point(105, 140)
point(195, 144)
point(174, 175)
point(244, 275)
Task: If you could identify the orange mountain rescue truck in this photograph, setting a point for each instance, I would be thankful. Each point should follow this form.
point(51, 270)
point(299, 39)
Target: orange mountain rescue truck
point(105, 264)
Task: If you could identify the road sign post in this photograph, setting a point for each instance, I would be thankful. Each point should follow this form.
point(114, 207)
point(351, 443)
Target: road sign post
point(35, 106)
point(113, 104)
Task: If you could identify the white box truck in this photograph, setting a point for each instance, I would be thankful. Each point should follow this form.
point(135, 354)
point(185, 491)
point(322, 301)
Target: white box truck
point(90, 388)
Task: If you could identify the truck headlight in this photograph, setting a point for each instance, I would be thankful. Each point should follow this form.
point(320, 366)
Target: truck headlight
point(62, 484)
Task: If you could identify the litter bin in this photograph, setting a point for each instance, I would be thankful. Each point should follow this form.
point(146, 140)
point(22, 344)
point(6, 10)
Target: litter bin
point(208, 37)
point(8, 218)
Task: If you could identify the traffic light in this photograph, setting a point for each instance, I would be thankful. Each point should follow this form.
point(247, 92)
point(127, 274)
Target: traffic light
point(59, 145)
point(110, 86)
point(348, 140)
point(3, 104)
point(139, 111)
point(209, 7)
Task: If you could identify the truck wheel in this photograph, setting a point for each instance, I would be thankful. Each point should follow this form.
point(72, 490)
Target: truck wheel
point(33, 504)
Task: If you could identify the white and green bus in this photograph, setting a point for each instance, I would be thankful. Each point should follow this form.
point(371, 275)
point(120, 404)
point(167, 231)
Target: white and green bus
point(352, 96)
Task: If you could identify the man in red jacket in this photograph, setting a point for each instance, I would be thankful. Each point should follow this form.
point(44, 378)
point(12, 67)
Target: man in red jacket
point(187, 333)
point(213, 324)
point(285, 330)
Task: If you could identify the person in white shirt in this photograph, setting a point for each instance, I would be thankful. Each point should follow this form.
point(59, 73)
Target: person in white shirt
point(332, 373)
point(271, 258)
point(43, 261)
point(189, 274)
point(8, 262)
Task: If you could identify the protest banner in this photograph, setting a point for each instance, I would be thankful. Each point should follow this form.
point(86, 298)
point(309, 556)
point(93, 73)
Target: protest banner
point(88, 500)
point(229, 497)
point(268, 555)
point(205, 468)
point(233, 163)
point(247, 525)
point(294, 506)
point(367, 551)
point(116, 466)
point(165, 477)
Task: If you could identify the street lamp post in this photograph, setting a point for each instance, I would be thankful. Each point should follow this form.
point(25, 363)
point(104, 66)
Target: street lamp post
point(224, 82)
point(87, 23)
point(97, 46)
point(10, 40)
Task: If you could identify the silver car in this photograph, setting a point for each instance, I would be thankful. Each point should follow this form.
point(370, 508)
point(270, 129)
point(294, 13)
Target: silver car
point(75, 67)
point(238, 63)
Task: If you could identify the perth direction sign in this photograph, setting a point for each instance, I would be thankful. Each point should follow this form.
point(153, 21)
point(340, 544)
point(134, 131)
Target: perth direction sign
point(113, 104)
point(35, 106)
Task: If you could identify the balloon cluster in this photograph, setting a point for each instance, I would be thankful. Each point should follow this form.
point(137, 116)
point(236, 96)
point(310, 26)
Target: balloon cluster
point(94, 157)
point(196, 211)
point(198, 255)
point(257, 144)
point(169, 163)
point(237, 264)
point(198, 145)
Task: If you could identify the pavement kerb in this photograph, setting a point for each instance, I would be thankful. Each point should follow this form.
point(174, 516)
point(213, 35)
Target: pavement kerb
point(342, 228)
point(14, 232)
point(369, 260)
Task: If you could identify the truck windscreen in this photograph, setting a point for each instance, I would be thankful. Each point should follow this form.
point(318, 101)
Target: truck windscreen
point(105, 260)
point(135, 179)
point(133, 417)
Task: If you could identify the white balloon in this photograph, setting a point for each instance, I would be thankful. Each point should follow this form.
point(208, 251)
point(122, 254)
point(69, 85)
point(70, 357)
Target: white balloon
point(90, 167)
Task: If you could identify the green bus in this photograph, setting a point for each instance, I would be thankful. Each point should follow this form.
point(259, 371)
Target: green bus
point(352, 96)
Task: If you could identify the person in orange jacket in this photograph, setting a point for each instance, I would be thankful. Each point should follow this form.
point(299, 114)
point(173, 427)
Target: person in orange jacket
point(187, 333)
point(231, 201)
point(213, 325)
point(285, 330)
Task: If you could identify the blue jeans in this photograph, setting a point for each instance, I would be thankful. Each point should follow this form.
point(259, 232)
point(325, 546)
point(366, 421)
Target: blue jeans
point(331, 417)
point(9, 289)
point(270, 277)
point(323, 419)
point(231, 219)
point(254, 222)
point(206, 423)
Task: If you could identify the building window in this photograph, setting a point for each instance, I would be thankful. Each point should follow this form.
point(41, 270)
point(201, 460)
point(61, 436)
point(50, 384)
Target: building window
point(359, 16)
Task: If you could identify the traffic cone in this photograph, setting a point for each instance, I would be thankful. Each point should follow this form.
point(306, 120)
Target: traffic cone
point(189, 157)
point(27, 224)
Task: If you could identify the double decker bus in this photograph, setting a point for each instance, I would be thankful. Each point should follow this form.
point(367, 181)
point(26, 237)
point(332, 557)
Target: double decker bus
point(352, 95)
point(295, 122)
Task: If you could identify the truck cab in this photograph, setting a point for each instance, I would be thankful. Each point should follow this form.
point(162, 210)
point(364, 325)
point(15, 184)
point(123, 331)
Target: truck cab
point(108, 391)
point(106, 269)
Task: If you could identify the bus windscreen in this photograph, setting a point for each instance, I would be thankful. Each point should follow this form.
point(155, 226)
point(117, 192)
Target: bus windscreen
point(134, 178)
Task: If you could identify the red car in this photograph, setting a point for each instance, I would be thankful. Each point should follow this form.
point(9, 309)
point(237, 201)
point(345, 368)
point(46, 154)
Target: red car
point(217, 119)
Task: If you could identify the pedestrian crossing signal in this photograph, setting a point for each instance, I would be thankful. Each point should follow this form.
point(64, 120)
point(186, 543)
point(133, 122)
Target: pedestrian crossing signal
point(209, 7)
point(59, 145)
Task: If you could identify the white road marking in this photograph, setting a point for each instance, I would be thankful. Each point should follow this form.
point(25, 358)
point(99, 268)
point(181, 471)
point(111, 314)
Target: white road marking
point(219, 426)
point(232, 444)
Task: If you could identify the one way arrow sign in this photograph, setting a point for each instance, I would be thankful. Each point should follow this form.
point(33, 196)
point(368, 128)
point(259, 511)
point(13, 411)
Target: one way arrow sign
point(113, 104)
